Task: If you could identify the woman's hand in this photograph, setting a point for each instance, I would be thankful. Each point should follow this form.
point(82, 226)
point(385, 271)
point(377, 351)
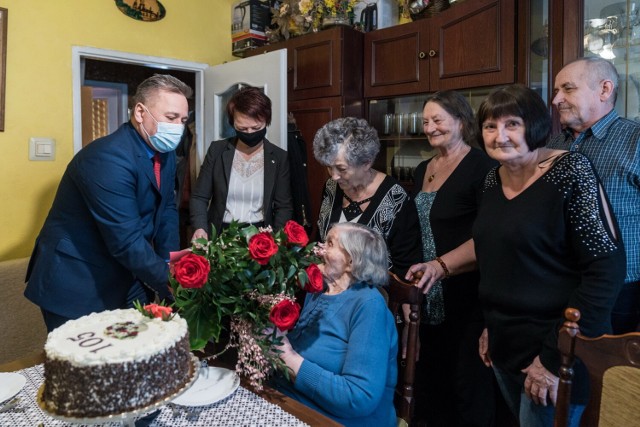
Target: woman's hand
point(290, 357)
point(199, 234)
point(540, 383)
point(483, 348)
point(431, 272)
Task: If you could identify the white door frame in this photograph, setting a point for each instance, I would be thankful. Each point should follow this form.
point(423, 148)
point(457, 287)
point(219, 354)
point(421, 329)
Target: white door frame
point(79, 52)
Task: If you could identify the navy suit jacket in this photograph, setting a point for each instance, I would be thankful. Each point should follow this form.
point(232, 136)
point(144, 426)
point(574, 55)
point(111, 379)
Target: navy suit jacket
point(109, 227)
point(209, 197)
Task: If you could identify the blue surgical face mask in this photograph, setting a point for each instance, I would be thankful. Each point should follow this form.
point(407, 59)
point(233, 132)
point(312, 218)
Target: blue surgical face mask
point(167, 136)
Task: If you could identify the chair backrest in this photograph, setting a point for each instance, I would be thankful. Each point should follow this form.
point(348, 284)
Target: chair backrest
point(613, 362)
point(401, 292)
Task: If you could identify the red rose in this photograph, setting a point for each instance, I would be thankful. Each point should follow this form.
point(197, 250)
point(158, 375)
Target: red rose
point(314, 285)
point(192, 271)
point(262, 247)
point(284, 314)
point(159, 311)
point(296, 233)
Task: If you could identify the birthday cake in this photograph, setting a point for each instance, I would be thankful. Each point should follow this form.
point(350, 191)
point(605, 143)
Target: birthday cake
point(114, 362)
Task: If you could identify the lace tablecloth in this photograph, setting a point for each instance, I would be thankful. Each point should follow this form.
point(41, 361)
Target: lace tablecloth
point(242, 408)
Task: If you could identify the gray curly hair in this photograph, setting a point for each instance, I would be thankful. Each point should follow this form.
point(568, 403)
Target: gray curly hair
point(357, 137)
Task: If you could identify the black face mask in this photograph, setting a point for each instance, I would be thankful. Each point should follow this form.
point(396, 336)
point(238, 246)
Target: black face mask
point(252, 139)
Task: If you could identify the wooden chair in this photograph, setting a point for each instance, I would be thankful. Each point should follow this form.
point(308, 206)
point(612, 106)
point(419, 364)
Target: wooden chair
point(399, 293)
point(613, 362)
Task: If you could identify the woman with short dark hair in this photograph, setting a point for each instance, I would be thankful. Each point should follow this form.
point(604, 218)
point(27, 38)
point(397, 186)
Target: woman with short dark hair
point(245, 177)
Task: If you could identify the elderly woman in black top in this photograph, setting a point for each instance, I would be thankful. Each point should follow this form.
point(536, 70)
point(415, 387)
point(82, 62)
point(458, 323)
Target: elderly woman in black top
point(355, 192)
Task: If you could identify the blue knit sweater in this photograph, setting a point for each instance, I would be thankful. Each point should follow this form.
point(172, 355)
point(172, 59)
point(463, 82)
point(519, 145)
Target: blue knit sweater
point(349, 344)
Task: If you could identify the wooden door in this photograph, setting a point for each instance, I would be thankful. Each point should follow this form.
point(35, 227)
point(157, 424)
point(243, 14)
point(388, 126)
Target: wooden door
point(325, 64)
point(311, 115)
point(396, 60)
point(472, 44)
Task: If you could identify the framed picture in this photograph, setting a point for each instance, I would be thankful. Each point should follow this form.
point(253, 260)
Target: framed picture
point(3, 62)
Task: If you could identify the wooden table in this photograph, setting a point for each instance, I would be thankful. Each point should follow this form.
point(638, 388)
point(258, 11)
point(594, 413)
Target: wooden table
point(295, 408)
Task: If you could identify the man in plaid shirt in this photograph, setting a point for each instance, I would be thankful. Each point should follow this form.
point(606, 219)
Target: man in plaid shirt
point(585, 94)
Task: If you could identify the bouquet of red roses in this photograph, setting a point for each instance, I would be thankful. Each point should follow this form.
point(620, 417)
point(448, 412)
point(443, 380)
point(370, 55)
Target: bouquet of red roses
point(250, 276)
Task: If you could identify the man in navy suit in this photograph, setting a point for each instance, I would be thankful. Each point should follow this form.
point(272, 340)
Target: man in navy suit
point(107, 238)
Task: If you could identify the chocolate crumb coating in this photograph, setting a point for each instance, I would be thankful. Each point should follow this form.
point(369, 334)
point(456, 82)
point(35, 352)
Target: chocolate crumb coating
point(109, 389)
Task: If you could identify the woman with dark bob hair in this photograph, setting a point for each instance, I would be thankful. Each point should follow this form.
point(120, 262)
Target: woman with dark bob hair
point(355, 192)
point(342, 352)
point(545, 239)
point(245, 177)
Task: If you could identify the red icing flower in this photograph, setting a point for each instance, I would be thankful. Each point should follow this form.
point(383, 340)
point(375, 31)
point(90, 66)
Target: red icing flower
point(285, 314)
point(296, 233)
point(192, 271)
point(262, 247)
point(314, 285)
point(159, 311)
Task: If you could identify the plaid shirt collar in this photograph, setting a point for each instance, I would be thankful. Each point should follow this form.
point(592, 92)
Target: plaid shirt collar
point(599, 128)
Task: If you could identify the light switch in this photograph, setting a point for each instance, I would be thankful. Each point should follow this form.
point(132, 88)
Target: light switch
point(42, 148)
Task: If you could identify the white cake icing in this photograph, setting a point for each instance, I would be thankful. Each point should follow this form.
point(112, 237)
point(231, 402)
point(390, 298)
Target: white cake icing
point(113, 362)
point(84, 342)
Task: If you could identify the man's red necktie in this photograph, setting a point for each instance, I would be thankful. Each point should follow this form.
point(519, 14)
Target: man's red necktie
point(156, 168)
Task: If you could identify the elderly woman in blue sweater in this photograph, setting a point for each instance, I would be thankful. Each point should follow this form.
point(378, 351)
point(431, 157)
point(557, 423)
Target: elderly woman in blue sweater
point(342, 353)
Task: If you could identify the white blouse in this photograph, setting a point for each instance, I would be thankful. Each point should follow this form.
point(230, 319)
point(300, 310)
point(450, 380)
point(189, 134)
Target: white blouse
point(245, 199)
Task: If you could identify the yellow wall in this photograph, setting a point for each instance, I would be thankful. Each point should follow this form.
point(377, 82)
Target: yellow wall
point(39, 86)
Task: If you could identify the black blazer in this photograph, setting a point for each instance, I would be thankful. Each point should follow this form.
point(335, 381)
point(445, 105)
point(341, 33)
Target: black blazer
point(209, 197)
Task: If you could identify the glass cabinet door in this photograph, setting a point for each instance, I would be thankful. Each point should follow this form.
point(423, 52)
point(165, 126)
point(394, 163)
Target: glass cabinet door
point(403, 142)
point(612, 31)
point(539, 49)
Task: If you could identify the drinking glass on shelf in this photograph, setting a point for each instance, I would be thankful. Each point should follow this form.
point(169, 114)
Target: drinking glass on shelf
point(401, 123)
point(387, 128)
point(415, 123)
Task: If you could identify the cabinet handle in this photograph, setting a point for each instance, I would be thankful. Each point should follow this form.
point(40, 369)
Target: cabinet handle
point(432, 53)
point(422, 55)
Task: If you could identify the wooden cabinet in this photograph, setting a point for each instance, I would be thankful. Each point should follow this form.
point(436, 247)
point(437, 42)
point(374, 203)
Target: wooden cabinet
point(323, 64)
point(471, 44)
point(311, 115)
point(324, 73)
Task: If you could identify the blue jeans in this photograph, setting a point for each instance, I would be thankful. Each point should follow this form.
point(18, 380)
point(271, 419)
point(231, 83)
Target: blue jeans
point(526, 410)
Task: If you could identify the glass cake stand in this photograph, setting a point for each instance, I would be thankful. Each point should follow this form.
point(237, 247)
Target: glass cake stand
point(126, 419)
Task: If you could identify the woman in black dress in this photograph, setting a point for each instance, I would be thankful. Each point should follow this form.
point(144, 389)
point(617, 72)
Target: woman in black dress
point(454, 387)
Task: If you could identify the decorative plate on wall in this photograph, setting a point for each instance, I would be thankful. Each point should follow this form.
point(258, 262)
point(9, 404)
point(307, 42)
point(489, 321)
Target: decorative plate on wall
point(142, 10)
